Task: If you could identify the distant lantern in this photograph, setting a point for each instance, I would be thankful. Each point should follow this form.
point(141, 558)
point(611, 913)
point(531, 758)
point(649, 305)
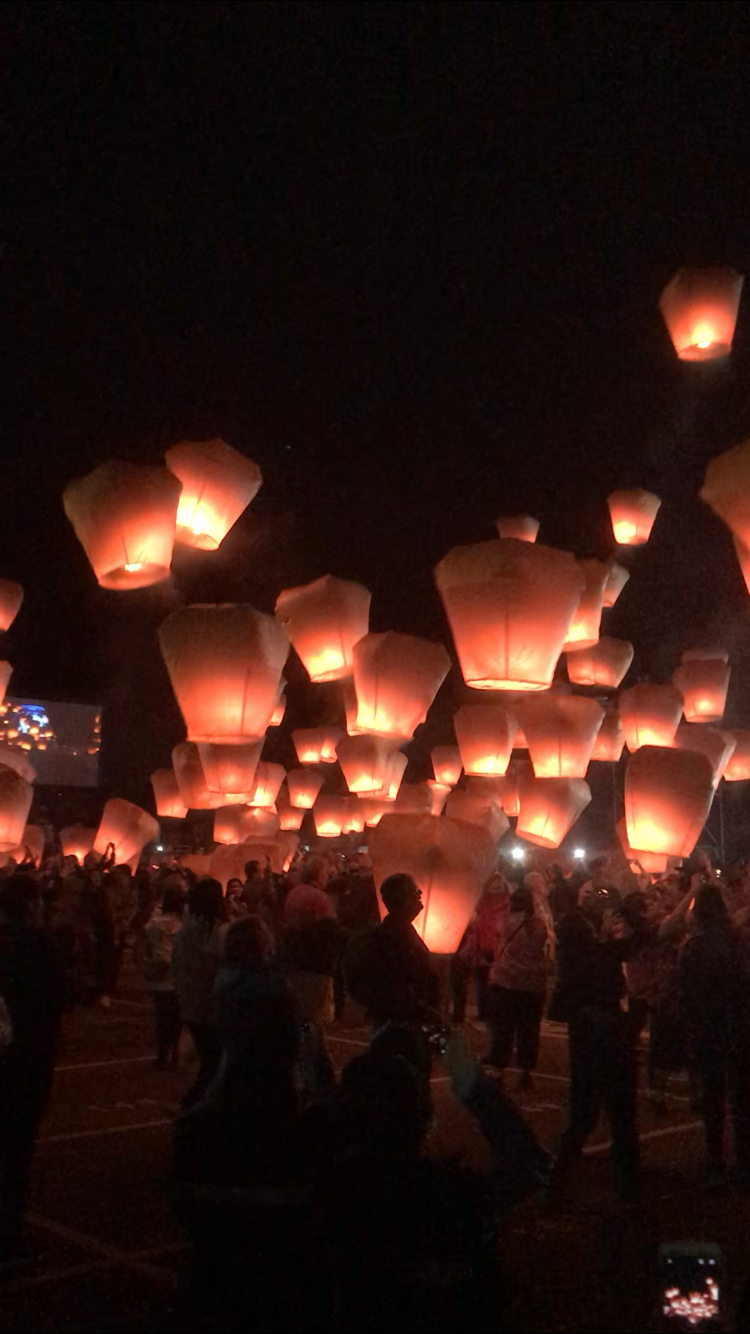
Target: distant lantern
point(520, 526)
point(124, 517)
point(268, 780)
point(394, 775)
point(727, 490)
point(450, 861)
point(11, 597)
point(374, 809)
point(127, 826)
point(230, 770)
point(317, 745)
point(413, 799)
point(324, 620)
point(549, 807)
point(610, 738)
point(717, 746)
point(32, 842)
point(604, 664)
point(440, 793)
point(354, 822)
point(738, 765)
point(632, 513)
point(76, 840)
point(18, 760)
point(303, 786)
point(351, 707)
point(330, 815)
point(6, 671)
point(15, 804)
point(584, 627)
point(191, 779)
point(561, 731)
point(617, 577)
point(668, 795)
point(365, 763)
point(478, 808)
point(446, 764)
point(169, 803)
point(703, 684)
point(218, 483)
point(654, 863)
point(235, 824)
point(279, 709)
point(510, 605)
point(225, 664)
point(503, 790)
point(650, 715)
point(485, 735)
point(290, 816)
point(396, 678)
point(700, 308)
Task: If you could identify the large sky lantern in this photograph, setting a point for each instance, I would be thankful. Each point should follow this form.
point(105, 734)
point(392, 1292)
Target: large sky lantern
point(127, 826)
point(439, 793)
point(76, 840)
point(699, 307)
point(561, 731)
point(610, 739)
point(365, 763)
point(726, 489)
point(290, 816)
point(218, 483)
point(396, 678)
point(18, 760)
point(351, 708)
point(279, 709)
point(654, 863)
point(199, 863)
point(703, 683)
point(230, 769)
point(374, 808)
point(191, 780)
point(317, 745)
point(446, 764)
point(632, 514)
point(503, 789)
point(354, 822)
point(549, 807)
point(225, 663)
point(584, 627)
point(450, 861)
point(124, 516)
point(303, 786)
point(603, 664)
point(717, 745)
point(413, 799)
point(738, 764)
point(668, 795)
point(11, 597)
point(478, 808)
point(394, 776)
point(510, 605)
point(331, 815)
point(485, 734)
point(521, 526)
point(169, 803)
point(235, 824)
point(617, 577)
point(650, 715)
point(15, 803)
point(33, 842)
point(227, 861)
point(268, 780)
point(324, 620)
point(6, 671)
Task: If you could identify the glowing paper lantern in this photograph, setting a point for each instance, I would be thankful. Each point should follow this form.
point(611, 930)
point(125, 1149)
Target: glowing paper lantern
point(354, 821)
point(324, 620)
point(549, 807)
point(76, 840)
point(440, 793)
point(632, 514)
point(291, 817)
point(18, 760)
point(191, 779)
point(652, 862)
point(503, 790)
point(6, 671)
point(617, 577)
point(225, 665)
point(395, 773)
point(718, 747)
point(268, 780)
point(413, 799)
point(727, 490)
point(218, 483)
point(169, 803)
point(520, 526)
point(199, 863)
point(584, 627)
point(478, 808)
point(446, 764)
point(604, 664)
point(700, 308)
point(11, 597)
point(374, 809)
point(561, 731)
point(351, 707)
point(279, 709)
point(610, 738)
point(668, 795)
point(317, 745)
point(396, 678)
point(330, 815)
point(304, 787)
point(236, 824)
point(738, 764)
point(650, 715)
point(127, 826)
point(365, 762)
point(485, 735)
point(450, 862)
point(124, 517)
point(703, 684)
point(510, 605)
point(230, 769)
point(32, 842)
point(15, 803)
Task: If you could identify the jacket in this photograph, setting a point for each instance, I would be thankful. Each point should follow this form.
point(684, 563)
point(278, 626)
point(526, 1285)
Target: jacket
point(196, 956)
point(157, 960)
point(519, 962)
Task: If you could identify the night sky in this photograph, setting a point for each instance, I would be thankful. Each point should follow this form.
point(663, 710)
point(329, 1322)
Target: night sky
point(408, 258)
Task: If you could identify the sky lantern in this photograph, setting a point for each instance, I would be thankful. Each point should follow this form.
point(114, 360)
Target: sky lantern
point(324, 620)
point(124, 517)
point(235, 824)
point(394, 775)
point(440, 793)
point(717, 746)
point(503, 790)
point(510, 605)
point(365, 762)
point(561, 731)
point(650, 715)
point(450, 861)
point(197, 862)
point(738, 764)
point(331, 815)
point(478, 808)
point(632, 513)
point(374, 809)
point(279, 709)
point(485, 734)
point(668, 795)
point(446, 764)
point(584, 627)
point(31, 842)
point(351, 707)
point(230, 770)
point(218, 483)
point(268, 780)
point(303, 786)
point(413, 799)
point(11, 597)
point(520, 526)
point(654, 863)
point(354, 821)
point(727, 490)
point(191, 779)
point(617, 577)
point(549, 807)
point(290, 816)
point(169, 803)
point(603, 664)
point(18, 760)
point(700, 308)
point(396, 678)
point(317, 745)
point(610, 739)
point(6, 671)
point(225, 664)
point(76, 840)
point(15, 804)
point(127, 826)
point(703, 683)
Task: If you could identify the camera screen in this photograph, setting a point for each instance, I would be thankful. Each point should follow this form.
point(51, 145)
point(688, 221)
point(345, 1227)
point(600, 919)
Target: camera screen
point(690, 1292)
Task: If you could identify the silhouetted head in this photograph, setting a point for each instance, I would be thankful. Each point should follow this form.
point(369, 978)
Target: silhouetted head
point(252, 869)
point(315, 872)
point(384, 1108)
point(206, 899)
point(173, 900)
point(522, 900)
point(19, 900)
point(402, 896)
point(709, 909)
point(248, 944)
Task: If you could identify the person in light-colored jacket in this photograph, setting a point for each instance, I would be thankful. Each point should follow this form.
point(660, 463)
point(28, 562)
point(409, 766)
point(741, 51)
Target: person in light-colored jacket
point(518, 979)
point(160, 933)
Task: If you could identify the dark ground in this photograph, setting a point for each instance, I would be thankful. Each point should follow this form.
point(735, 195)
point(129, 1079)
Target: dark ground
point(110, 1252)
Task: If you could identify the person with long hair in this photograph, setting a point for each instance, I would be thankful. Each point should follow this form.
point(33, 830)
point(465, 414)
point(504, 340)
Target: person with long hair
point(196, 958)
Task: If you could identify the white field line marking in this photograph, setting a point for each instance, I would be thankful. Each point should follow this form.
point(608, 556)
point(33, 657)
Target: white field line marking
point(112, 1253)
point(68, 1136)
point(55, 1276)
point(662, 1133)
point(99, 1065)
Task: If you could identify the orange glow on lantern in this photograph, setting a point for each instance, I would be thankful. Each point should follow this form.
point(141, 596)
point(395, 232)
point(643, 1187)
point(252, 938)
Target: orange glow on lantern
point(303, 786)
point(396, 678)
point(520, 526)
point(218, 483)
point(668, 795)
point(632, 513)
point(584, 627)
point(561, 731)
point(124, 517)
point(738, 764)
point(225, 666)
point(703, 684)
point(197, 862)
point(331, 815)
point(230, 770)
point(617, 577)
point(365, 763)
point(510, 605)
point(127, 826)
point(169, 803)
point(6, 671)
point(503, 790)
point(290, 816)
point(549, 807)
point(610, 738)
point(478, 808)
point(413, 799)
point(11, 597)
point(76, 840)
point(604, 664)
point(394, 775)
point(354, 821)
point(440, 793)
point(324, 620)
point(192, 784)
point(653, 863)
point(446, 764)
point(16, 759)
point(268, 780)
point(351, 708)
point(650, 715)
point(15, 804)
point(277, 717)
point(485, 735)
point(727, 490)
point(32, 842)
point(236, 824)
point(317, 745)
point(374, 809)
point(700, 308)
point(718, 747)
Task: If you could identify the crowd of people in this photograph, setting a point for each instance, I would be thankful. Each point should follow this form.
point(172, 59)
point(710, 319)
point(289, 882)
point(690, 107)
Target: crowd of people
point(306, 1197)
